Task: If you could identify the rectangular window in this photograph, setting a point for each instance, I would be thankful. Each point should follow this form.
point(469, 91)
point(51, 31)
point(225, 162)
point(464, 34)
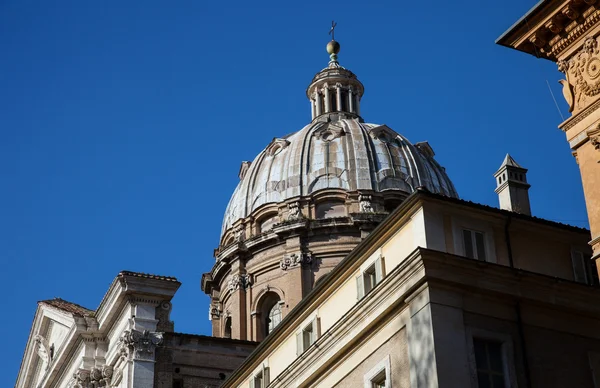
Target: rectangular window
point(308, 336)
point(474, 243)
point(489, 363)
point(379, 380)
point(584, 268)
point(260, 379)
point(367, 280)
point(379, 376)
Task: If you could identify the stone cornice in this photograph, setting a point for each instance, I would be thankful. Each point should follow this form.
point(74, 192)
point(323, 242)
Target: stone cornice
point(548, 29)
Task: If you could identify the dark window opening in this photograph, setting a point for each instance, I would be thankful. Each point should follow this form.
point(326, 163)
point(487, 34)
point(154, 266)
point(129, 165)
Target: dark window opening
point(489, 363)
point(227, 330)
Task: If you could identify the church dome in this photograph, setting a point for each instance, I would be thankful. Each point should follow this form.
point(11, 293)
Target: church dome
point(344, 154)
point(337, 150)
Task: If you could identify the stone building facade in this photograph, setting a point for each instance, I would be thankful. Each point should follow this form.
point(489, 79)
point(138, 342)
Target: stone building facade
point(128, 341)
point(346, 259)
point(567, 32)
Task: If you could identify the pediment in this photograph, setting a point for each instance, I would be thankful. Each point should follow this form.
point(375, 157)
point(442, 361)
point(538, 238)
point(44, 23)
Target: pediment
point(48, 337)
point(329, 132)
point(383, 133)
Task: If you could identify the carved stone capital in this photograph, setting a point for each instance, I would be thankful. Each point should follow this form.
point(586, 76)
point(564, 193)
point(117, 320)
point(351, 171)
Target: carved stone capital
point(97, 377)
point(214, 312)
point(294, 260)
point(81, 379)
point(240, 282)
point(137, 344)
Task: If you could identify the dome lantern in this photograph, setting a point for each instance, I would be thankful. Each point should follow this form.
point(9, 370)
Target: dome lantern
point(335, 91)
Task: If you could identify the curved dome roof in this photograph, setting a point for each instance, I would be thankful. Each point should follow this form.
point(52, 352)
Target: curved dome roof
point(344, 154)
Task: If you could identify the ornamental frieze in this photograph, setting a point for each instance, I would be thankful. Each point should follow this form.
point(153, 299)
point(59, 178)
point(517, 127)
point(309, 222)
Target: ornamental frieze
point(582, 73)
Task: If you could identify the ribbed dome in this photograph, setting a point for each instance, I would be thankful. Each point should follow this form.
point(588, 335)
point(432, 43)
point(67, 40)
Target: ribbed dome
point(344, 154)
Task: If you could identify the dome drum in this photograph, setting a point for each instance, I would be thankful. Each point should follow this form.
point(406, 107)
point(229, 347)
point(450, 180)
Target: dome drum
point(277, 220)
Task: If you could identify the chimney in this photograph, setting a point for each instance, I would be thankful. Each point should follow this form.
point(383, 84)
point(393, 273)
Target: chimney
point(512, 187)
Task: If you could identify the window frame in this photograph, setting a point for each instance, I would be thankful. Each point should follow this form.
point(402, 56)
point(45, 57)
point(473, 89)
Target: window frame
point(374, 268)
point(474, 244)
point(263, 373)
point(507, 348)
point(587, 265)
point(463, 223)
point(315, 333)
point(372, 375)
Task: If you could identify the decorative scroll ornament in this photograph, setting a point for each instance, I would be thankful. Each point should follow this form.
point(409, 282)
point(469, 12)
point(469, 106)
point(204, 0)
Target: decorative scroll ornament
point(214, 312)
point(140, 344)
point(81, 379)
point(583, 75)
point(364, 202)
point(294, 211)
point(294, 260)
point(238, 282)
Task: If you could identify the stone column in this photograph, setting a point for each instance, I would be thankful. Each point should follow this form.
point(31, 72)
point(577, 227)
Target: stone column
point(350, 100)
point(318, 99)
point(139, 349)
point(238, 283)
point(338, 90)
point(327, 98)
point(312, 108)
point(357, 104)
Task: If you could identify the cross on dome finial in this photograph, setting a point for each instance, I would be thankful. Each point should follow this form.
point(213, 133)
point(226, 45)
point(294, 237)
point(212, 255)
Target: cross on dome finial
point(333, 47)
point(332, 29)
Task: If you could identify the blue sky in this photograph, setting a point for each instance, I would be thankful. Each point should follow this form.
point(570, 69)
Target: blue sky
point(122, 126)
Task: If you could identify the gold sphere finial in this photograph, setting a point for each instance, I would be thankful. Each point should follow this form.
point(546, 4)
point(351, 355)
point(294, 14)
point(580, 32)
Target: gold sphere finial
point(333, 47)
